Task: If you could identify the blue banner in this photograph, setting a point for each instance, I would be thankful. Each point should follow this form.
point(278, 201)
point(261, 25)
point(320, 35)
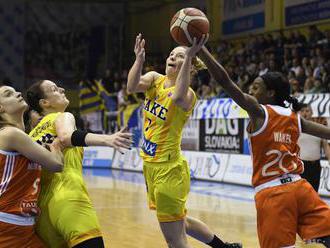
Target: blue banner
point(307, 12)
point(244, 23)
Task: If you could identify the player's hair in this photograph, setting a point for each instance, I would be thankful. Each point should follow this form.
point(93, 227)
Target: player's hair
point(279, 83)
point(27, 120)
point(197, 64)
point(304, 105)
point(33, 96)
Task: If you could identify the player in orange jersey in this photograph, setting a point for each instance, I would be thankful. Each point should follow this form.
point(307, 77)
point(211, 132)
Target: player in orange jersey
point(285, 203)
point(20, 171)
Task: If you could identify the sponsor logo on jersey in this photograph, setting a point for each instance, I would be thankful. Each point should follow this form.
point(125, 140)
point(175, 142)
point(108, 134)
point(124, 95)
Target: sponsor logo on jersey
point(149, 147)
point(29, 208)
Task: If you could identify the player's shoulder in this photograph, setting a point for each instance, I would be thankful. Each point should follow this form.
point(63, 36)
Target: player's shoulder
point(279, 110)
point(10, 132)
point(155, 77)
point(10, 136)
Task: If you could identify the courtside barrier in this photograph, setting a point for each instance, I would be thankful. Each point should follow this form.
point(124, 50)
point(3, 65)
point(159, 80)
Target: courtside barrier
point(211, 166)
point(98, 156)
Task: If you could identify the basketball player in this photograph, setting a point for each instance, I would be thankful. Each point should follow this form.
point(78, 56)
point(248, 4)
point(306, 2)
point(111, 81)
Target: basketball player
point(285, 203)
point(67, 218)
point(168, 104)
point(310, 151)
point(20, 160)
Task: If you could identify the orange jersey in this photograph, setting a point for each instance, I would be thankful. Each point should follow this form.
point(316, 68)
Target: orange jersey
point(274, 147)
point(19, 186)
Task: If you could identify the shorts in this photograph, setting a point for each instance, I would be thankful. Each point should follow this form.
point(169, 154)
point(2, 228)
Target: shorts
point(283, 211)
point(19, 236)
point(67, 220)
point(168, 185)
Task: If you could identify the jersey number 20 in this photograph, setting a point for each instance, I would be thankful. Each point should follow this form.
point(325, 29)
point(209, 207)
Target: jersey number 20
point(278, 160)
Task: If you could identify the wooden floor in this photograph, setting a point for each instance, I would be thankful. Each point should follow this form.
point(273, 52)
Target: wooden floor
point(120, 202)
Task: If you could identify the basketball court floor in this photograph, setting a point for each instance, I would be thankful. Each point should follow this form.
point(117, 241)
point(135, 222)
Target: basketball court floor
point(120, 201)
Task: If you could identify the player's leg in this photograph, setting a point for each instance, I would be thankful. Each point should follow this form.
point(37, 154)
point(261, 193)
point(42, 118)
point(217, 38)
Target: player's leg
point(175, 234)
point(200, 231)
point(77, 222)
point(46, 231)
point(277, 216)
point(314, 215)
point(171, 186)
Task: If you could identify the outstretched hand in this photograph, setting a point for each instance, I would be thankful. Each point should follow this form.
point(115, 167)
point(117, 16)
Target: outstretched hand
point(121, 139)
point(139, 47)
point(196, 46)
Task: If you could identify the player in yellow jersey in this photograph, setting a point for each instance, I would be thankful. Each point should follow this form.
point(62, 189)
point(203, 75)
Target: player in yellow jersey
point(67, 216)
point(168, 104)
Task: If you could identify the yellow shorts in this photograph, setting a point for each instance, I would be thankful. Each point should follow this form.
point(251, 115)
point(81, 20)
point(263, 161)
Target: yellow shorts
point(168, 185)
point(67, 220)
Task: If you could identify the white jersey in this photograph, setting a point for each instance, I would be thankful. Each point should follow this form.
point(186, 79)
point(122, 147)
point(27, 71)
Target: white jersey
point(310, 147)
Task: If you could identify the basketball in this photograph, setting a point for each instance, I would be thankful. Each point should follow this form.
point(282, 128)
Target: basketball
point(188, 23)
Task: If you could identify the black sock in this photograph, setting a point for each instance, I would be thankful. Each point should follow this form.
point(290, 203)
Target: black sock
point(91, 243)
point(326, 241)
point(216, 243)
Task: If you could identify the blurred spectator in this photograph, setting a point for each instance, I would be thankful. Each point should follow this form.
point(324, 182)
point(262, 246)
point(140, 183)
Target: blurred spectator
point(206, 92)
point(296, 89)
point(262, 69)
point(91, 106)
point(122, 95)
point(314, 35)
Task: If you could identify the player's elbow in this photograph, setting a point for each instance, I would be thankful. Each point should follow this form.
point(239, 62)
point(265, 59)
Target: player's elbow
point(57, 167)
point(130, 91)
point(65, 139)
point(177, 99)
point(130, 88)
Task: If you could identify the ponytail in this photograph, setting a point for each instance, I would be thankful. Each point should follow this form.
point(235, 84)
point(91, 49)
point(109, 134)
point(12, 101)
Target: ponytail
point(296, 105)
point(198, 65)
point(33, 96)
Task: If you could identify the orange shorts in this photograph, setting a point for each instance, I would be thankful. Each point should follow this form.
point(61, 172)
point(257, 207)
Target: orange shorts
point(283, 211)
point(19, 236)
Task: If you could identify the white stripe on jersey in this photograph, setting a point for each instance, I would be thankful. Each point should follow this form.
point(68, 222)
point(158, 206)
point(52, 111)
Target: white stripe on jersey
point(7, 173)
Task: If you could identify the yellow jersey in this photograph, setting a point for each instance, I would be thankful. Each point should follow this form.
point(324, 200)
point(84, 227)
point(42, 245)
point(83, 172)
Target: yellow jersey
point(67, 216)
point(163, 123)
point(71, 177)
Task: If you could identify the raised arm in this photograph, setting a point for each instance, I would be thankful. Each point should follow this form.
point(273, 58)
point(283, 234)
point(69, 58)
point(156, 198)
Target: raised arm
point(136, 82)
point(16, 140)
point(182, 96)
point(245, 101)
point(67, 134)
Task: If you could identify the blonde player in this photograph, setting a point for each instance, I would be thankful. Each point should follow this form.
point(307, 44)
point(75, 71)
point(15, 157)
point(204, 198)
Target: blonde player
point(285, 203)
point(168, 104)
point(67, 218)
point(20, 172)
